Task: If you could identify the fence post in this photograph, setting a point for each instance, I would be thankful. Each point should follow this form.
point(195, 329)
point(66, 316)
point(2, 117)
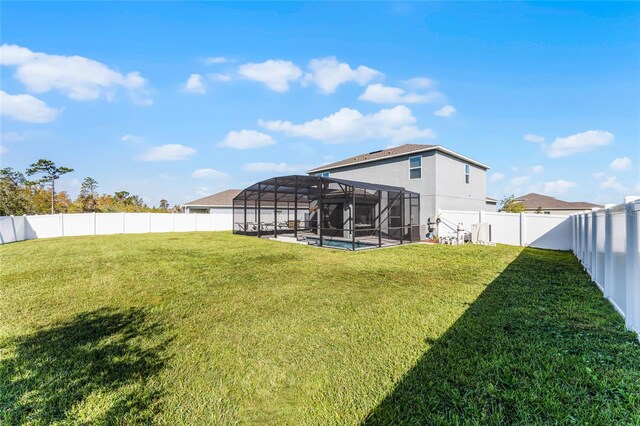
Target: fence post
point(632, 314)
point(13, 226)
point(149, 213)
point(579, 237)
point(61, 225)
point(522, 230)
point(594, 245)
point(573, 234)
point(587, 242)
point(608, 267)
point(173, 222)
point(95, 226)
point(123, 227)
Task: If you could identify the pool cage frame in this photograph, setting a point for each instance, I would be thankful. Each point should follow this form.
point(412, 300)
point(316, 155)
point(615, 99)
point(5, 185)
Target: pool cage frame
point(328, 212)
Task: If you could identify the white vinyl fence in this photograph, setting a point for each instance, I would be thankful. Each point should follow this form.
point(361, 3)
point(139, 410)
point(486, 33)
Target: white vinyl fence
point(607, 242)
point(547, 231)
point(20, 228)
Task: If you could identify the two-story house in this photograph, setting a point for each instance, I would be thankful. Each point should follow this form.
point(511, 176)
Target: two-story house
point(444, 179)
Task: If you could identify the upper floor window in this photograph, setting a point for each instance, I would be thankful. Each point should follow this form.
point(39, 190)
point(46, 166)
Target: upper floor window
point(466, 173)
point(415, 167)
point(323, 174)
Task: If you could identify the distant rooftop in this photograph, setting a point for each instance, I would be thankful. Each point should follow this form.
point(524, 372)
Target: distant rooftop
point(392, 152)
point(221, 199)
point(533, 201)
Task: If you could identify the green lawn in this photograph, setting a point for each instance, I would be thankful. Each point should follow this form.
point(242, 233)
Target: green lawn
point(212, 328)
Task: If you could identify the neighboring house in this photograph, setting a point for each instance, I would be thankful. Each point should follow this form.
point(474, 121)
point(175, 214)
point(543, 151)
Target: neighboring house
point(220, 203)
point(444, 179)
point(538, 203)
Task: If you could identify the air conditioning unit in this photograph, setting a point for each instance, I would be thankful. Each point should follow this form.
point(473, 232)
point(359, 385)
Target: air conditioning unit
point(481, 233)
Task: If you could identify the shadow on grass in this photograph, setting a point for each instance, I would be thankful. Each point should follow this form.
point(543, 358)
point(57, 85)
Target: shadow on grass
point(95, 368)
point(540, 345)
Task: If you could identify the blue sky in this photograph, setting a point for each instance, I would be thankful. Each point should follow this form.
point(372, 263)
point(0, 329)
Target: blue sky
point(179, 100)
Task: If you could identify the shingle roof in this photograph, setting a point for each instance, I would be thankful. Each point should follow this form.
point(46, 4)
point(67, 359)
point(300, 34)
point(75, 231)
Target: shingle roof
point(533, 201)
point(390, 152)
point(375, 155)
point(224, 198)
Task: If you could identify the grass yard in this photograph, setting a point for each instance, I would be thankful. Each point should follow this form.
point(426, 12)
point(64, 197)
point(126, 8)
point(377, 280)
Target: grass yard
point(211, 328)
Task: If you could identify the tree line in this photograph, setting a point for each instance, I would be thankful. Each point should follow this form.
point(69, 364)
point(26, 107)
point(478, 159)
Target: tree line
point(19, 195)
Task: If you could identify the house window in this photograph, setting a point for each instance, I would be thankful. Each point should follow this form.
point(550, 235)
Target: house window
point(323, 174)
point(415, 167)
point(466, 173)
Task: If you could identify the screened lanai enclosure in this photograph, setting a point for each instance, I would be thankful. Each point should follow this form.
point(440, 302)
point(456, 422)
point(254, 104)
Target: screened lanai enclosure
point(328, 212)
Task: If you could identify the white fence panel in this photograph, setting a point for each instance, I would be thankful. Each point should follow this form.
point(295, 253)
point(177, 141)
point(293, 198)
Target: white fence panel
point(45, 226)
point(205, 222)
point(7, 230)
point(518, 229)
point(618, 260)
point(505, 227)
point(599, 249)
point(78, 224)
point(161, 222)
point(109, 223)
point(185, 222)
point(607, 242)
point(21, 227)
point(547, 231)
point(136, 223)
point(223, 221)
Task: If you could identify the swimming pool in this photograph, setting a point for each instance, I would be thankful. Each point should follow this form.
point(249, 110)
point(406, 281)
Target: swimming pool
point(340, 243)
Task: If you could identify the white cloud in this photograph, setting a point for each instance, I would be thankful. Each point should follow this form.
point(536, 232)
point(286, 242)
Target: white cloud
point(597, 175)
point(419, 83)
point(195, 84)
point(216, 60)
point(623, 163)
point(169, 152)
point(520, 180)
point(349, 125)
point(77, 77)
point(328, 74)
point(208, 174)
point(445, 111)
point(246, 139)
point(394, 95)
point(612, 183)
point(26, 108)
point(558, 187)
point(496, 177)
point(537, 169)
point(530, 137)
point(12, 136)
point(219, 77)
point(580, 142)
point(3, 150)
point(131, 138)
point(275, 74)
point(274, 167)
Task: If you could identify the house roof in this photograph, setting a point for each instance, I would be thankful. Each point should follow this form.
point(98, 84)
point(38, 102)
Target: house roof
point(221, 199)
point(390, 153)
point(533, 201)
